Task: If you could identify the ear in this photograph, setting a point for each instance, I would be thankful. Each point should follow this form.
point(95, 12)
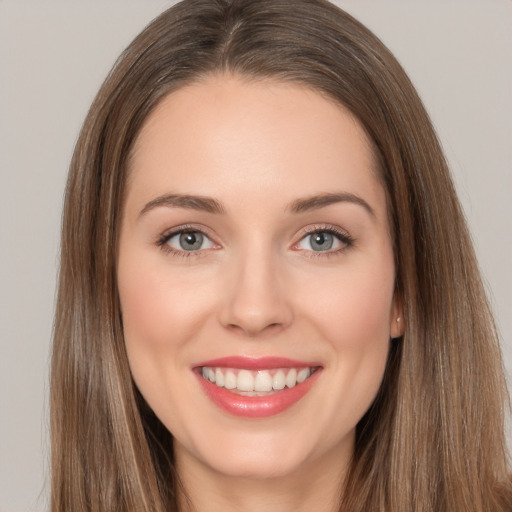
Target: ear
point(396, 320)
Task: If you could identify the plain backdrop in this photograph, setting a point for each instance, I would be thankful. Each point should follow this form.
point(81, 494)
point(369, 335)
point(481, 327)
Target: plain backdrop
point(53, 58)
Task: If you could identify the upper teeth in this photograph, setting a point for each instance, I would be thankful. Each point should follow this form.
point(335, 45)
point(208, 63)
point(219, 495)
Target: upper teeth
point(256, 381)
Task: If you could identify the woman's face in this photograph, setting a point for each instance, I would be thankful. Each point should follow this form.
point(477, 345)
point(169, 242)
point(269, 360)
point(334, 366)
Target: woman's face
point(255, 250)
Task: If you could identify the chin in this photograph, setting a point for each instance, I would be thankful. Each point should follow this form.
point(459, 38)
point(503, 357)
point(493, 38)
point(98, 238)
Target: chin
point(271, 454)
point(257, 466)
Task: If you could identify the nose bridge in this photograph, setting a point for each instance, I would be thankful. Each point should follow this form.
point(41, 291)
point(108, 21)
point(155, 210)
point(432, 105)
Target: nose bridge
point(256, 300)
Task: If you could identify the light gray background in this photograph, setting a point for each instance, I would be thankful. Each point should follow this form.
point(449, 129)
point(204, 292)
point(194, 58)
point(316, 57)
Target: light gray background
point(53, 57)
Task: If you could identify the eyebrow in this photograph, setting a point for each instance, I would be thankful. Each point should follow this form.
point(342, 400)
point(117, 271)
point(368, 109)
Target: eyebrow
point(210, 205)
point(201, 203)
point(318, 201)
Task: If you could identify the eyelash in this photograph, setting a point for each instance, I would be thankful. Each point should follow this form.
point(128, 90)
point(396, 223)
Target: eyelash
point(346, 239)
point(342, 236)
point(165, 237)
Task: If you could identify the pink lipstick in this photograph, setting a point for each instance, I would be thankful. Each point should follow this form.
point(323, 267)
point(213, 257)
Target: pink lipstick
point(256, 387)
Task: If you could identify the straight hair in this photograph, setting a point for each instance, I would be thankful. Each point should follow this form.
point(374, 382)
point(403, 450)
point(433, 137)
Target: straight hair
point(433, 440)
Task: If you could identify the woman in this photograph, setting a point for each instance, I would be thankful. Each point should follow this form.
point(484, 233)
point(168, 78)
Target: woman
point(268, 296)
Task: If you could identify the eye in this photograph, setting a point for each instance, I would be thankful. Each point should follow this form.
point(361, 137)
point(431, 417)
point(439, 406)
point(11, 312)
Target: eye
point(187, 240)
point(323, 240)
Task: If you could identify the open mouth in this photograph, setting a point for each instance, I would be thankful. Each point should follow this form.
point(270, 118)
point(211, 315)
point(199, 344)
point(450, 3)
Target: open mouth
point(256, 382)
point(256, 388)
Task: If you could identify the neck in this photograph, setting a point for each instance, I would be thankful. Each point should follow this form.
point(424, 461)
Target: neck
point(317, 486)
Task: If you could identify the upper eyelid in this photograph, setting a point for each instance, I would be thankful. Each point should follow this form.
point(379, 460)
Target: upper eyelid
point(341, 234)
point(305, 231)
point(169, 233)
point(331, 228)
point(163, 239)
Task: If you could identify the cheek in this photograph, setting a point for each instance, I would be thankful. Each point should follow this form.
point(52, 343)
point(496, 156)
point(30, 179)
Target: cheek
point(158, 304)
point(353, 317)
point(162, 312)
point(353, 308)
point(143, 303)
point(157, 316)
point(145, 306)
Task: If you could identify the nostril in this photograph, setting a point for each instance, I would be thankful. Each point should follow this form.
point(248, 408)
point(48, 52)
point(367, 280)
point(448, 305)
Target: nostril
point(253, 330)
point(253, 308)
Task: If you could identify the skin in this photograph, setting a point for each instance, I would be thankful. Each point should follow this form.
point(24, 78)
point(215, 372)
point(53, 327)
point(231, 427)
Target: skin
point(256, 287)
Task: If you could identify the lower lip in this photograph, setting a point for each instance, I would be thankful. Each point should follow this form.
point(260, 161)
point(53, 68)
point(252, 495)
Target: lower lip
point(257, 406)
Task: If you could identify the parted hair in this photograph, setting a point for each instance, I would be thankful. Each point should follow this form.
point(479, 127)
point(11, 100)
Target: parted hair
point(433, 440)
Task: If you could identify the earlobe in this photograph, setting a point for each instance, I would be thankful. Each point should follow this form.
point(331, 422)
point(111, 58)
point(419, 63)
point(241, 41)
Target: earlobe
point(396, 327)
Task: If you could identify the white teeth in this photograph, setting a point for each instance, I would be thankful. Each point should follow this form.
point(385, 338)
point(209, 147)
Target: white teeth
point(260, 381)
point(230, 380)
point(263, 381)
point(245, 381)
point(279, 381)
point(219, 378)
point(303, 374)
point(291, 378)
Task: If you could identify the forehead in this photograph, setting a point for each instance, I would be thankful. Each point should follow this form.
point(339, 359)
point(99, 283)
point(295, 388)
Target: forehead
point(229, 137)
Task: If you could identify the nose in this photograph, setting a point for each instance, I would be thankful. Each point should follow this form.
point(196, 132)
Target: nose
point(257, 299)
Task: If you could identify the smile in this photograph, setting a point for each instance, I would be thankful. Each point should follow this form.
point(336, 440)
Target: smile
point(256, 383)
point(256, 388)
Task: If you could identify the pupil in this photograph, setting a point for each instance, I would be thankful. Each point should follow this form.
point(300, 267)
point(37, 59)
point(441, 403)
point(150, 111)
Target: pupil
point(322, 241)
point(191, 241)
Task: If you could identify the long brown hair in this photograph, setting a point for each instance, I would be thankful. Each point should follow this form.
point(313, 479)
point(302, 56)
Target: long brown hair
point(434, 438)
